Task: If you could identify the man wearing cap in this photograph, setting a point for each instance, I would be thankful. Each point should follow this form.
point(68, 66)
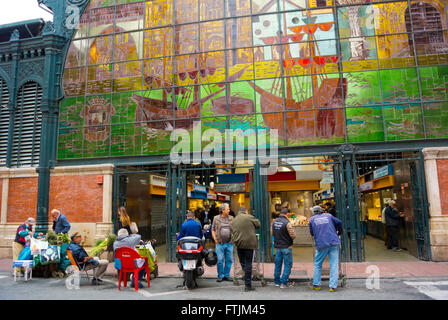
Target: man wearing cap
point(245, 239)
point(191, 227)
point(81, 256)
point(326, 230)
point(60, 222)
point(284, 236)
point(124, 239)
point(24, 230)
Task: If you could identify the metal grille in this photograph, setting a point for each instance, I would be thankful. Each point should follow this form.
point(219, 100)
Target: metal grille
point(4, 121)
point(27, 126)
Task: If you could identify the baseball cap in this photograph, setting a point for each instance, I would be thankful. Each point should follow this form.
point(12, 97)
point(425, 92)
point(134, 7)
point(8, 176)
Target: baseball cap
point(284, 210)
point(317, 209)
point(76, 234)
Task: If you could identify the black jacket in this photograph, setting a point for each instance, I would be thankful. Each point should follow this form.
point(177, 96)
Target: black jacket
point(392, 217)
point(282, 239)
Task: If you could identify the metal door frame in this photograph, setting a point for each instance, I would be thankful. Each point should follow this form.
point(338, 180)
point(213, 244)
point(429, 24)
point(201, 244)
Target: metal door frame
point(421, 222)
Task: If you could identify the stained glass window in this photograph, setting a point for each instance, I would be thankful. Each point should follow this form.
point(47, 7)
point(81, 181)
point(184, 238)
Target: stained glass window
point(318, 71)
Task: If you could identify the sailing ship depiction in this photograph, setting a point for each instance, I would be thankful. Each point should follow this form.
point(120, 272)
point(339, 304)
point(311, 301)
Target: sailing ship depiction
point(186, 112)
point(300, 125)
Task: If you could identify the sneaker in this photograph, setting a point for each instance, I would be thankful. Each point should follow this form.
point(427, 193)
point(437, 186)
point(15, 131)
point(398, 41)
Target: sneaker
point(287, 285)
point(278, 284)
point(396, 249)
point(332, 289)
point(249, 288)
point(219, 280)
point(96, 281)
point(316, 288)
point(227, 279)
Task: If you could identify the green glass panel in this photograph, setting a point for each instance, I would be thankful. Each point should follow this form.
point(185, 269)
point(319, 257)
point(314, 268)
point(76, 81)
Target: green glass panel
point(434, 82)
point(125, 139)
point(436, 119)
point(363, 88)
point(364, 124)
point(404, 121)
point(399, 85)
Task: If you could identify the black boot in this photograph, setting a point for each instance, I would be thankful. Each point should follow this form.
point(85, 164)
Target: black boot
point(248, 288)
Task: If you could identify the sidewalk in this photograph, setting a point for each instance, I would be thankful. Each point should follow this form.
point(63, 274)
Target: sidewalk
point(305, 270)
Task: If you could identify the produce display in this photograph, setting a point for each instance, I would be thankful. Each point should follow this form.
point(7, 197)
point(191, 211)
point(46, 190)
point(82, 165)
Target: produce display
point(299, 221)
point(104, 245)
point(57, 239)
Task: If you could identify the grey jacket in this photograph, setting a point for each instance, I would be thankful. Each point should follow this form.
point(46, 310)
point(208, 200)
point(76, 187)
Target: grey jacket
point(131, 241)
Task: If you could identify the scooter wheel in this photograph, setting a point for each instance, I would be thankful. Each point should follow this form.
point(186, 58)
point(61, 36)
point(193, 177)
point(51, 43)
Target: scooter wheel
point(189, 279)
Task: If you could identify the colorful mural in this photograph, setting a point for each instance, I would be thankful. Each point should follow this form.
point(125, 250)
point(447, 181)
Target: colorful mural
point(318, 71)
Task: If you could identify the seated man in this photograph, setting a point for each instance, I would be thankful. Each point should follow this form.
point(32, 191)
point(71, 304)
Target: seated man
point(190, 228)
point(124, 239)
point(81, 256)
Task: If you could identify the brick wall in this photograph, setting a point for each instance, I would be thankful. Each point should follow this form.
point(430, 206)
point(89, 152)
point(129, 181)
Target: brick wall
point(79, 198)
point(22, 199)
point(442, 172)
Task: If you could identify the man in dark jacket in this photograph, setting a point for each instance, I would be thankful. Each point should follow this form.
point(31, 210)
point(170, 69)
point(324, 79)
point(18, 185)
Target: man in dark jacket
point(190, 228)
point(284, 236)
point(245, 239)
point(326, 230)
point(60, 222)
point(393, 225)
point(81, 256)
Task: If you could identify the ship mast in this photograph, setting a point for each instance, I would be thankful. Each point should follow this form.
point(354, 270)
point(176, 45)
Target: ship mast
point(312, 51)
point(288, 79)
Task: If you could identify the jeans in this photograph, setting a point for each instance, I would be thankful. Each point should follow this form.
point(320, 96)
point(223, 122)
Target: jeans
point(246, 257)
point(280, 256)
point(333, 255)
point(225, 259)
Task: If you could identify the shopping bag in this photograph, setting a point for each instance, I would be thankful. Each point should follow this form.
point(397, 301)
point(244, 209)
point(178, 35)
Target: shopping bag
point(50, 255)
point(151, 249)
point(25, 254)
point(36, 245)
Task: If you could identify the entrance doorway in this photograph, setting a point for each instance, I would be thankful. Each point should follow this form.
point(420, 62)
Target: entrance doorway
point(142, 191)
point(399, 177)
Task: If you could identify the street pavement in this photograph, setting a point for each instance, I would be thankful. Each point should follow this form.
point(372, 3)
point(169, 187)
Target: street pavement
point(167, 289)
point(365, 281)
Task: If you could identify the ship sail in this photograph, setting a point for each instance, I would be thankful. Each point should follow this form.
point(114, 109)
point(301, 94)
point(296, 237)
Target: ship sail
point(309, 118)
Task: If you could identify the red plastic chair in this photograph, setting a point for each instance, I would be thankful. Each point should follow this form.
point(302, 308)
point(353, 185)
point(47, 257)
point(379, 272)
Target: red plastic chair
point(127, 256)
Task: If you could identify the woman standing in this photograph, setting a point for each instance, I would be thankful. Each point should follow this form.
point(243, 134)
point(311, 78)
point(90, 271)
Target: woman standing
point(124, 222)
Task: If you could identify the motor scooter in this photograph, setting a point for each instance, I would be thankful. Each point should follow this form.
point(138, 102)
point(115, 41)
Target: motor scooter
point(190, 253)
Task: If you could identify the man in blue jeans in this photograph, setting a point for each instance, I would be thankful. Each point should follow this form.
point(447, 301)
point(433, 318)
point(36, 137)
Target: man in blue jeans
point(284, 236)
point(222, 234)
point(326, 230)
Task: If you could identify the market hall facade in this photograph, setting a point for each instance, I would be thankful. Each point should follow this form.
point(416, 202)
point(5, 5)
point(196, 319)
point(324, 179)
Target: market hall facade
point(354, 90)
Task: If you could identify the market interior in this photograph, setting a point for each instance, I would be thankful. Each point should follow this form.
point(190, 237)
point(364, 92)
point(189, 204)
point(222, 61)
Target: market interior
point(299, 183)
